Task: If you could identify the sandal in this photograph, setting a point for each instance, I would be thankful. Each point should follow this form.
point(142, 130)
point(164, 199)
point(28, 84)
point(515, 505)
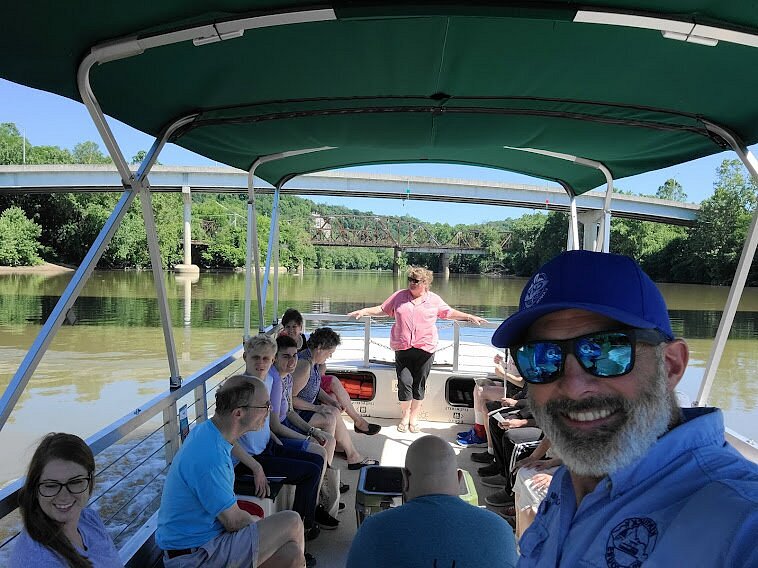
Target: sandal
point(372, 429)
point(364, 462)
point(414, 428)
point(402, 427)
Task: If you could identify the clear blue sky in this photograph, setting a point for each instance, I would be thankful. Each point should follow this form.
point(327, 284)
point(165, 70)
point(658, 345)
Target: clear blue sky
point(48, 119)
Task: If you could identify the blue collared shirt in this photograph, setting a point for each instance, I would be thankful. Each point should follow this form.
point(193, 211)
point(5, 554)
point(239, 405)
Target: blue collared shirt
point(198, 487)
point(692, 500)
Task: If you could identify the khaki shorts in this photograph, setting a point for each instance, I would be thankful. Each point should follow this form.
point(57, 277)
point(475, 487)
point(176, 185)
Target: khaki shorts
point(228, 550)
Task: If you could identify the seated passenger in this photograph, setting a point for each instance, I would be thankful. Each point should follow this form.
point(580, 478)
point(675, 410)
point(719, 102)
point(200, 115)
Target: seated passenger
point(260, 453)
point(59, 529)
point(435, 526)
point(199, 522)
point(488, 391)
point(292, 429)
point(290, 426)
point(334, 394)
point(307, 383)
point(292, 324)
point(532, 482)
point(514, 426)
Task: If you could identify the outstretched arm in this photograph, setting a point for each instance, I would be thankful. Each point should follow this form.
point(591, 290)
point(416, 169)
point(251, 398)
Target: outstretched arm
point(372, 311)
point(463, 316)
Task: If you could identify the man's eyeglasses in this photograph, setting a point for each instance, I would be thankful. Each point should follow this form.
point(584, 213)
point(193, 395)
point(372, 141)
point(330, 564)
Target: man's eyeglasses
point(267, 406)
point(602, 354)
point(414, 280)
point(74, 486)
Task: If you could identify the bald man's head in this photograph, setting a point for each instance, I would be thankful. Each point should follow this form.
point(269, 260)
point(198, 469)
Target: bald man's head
point(431, 468)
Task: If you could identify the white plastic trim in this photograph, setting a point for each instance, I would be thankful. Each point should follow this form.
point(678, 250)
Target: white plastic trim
point(671, 29)
point(205, 34)
point(632, 21)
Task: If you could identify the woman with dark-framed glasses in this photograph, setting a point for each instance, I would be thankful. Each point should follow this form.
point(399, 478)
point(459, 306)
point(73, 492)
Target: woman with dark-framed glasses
point(59, 529)
point(413, 338)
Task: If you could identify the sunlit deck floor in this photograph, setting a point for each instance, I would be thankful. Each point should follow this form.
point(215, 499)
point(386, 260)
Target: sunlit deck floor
point(388, 446)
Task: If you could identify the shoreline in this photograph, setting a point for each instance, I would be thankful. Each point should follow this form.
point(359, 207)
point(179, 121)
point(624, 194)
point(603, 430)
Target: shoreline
point(44, 268)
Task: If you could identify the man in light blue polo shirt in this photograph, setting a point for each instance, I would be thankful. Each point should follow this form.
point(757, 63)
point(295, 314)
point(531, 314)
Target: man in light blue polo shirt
point(645, 483)
point(199, 522)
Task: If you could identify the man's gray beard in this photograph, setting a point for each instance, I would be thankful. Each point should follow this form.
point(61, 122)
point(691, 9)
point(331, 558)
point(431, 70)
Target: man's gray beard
point(608, 449)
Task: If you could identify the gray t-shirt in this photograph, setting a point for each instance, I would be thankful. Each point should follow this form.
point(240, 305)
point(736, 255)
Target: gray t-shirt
point(99, 547)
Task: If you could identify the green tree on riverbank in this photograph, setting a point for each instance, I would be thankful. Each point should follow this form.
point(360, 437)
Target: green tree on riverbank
point(19, 244)
point(68, 223)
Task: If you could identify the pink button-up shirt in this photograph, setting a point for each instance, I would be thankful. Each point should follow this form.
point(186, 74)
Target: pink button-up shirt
point(414, 323)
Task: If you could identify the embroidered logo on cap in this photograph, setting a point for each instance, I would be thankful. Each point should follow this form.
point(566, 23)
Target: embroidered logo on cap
point(631, 543)
point(537, 290)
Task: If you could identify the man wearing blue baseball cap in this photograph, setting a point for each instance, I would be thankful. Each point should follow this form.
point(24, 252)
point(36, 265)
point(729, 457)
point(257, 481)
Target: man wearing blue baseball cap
point(645, 483)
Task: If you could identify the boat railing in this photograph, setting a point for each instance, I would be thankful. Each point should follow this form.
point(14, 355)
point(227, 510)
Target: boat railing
point(130, 469)
point(459, 331)
point(128, 452)
point(134, 452)
point(744, 445)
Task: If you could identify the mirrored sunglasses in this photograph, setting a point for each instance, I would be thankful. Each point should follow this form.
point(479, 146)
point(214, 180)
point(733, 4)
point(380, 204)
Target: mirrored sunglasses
point(603, 354)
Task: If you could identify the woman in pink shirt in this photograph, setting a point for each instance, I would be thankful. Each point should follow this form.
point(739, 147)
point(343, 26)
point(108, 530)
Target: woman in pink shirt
point(413, 338)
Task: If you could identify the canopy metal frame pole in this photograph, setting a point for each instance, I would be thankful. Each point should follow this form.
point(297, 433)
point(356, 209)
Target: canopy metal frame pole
point(604, 241)
point(253, 254)
point(275, 317)
point(604, 238)
point(141, 185)
point(272, 236)
point(740, 276)
point(65, 302)
point(160, 285)
point(133, 46)
point(573, 236)
point(133, 183)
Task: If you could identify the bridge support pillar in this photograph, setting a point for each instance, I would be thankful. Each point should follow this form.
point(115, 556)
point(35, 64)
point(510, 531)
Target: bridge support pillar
point(445, 265)
point(592, 221)
point(396, 263)
point(187, 267)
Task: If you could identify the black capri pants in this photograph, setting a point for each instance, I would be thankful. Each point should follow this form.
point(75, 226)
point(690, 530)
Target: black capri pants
point(412, 367)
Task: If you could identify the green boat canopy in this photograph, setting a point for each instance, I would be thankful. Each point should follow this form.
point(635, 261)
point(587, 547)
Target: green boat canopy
point(425, 82)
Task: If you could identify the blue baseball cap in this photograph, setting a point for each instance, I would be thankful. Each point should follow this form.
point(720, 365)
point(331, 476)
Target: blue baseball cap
point(611, 285)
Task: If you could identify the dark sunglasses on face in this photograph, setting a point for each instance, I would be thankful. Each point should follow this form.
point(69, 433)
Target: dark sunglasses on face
point(413, 280)
point(602, 354)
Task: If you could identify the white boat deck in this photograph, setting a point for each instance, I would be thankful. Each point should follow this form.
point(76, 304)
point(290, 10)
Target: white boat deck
point(389, 446)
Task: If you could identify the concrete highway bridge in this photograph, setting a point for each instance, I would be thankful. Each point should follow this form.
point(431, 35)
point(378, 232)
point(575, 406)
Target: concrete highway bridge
point(188, 180)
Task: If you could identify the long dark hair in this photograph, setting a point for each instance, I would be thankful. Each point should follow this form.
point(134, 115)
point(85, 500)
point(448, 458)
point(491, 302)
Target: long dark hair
point(40, 527)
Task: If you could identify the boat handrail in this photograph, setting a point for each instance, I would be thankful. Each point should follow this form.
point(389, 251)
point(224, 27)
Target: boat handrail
point(368, 320)
point(164, 402)
point(744, 445)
